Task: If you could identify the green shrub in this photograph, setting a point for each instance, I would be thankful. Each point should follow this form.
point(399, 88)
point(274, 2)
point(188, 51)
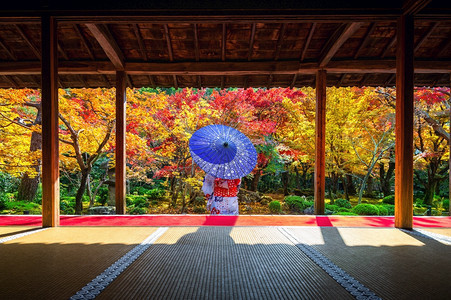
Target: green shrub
point(133, 210)
point(332, 207)
point(383, 211)
point(103, 195)
point(389, 199)
point(275, 207)
point(155, 194)
point(343, 203)
point(265, 200)
point(137, 201)
point(344, 209)
point(446, 204)
point(4, 199)
point(346, 213)
point(297, 203)
point(419, 202)
point(366, 210)
point(67, 207)
point(390, 209)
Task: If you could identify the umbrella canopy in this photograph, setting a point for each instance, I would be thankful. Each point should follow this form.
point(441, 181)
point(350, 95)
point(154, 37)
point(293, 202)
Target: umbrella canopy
point(223, 151)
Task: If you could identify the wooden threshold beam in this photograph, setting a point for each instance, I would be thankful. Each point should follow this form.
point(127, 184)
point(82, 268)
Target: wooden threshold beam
point(108, 44)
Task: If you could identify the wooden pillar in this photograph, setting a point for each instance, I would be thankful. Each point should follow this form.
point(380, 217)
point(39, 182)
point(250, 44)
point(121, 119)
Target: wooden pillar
point(320, 141)
point(404, 124)
point(120, 142)
point(449, 163)
point(50, 142)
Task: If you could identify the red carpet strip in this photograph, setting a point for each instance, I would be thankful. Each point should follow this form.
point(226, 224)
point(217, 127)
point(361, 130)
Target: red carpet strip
point(206, 220)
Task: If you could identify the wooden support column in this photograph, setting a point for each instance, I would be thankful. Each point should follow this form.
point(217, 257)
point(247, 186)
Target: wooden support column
point(449, 164)
point(120, 141)
point(404, 124)
point(50, 142)
point(320, 141)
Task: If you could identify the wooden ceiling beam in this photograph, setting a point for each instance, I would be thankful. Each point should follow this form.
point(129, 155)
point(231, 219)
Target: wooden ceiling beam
point(307, 41)
point(84, 42)
point(390, 45)
point(224, 68)
point(108, 44)
point(176, 83)
point(140, 41)
point(293, 82)
point(340, 36)
point(365, 39)
point(61, 51)
point(107, 82)
point(152, 81)
point(24, 36)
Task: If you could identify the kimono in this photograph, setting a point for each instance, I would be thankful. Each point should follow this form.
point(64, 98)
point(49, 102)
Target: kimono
point(221, 195)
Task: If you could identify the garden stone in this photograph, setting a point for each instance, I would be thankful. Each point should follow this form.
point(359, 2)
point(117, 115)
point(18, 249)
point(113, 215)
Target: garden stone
point(102, 210)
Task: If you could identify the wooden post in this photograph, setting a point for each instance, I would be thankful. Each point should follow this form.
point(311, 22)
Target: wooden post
point(320, 150)
point(50, 142)
point(449, 163)
point(120, 142)
point(404, 124)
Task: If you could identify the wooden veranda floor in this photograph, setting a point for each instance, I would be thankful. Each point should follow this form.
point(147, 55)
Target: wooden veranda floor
point(224, 262)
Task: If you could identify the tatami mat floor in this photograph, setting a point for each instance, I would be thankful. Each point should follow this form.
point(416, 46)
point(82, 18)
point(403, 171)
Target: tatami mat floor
point(223, 263)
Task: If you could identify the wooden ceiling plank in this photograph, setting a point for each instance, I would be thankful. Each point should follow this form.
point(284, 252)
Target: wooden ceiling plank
point(152, 81)
point(83, 81)
point(443, 47)
point(61, 51)
point(364, 79)
point(425, 36)
point(140, 42)
point(280, 40)
point(168, 42)
point(11, 81)
point(251, 42)
point(84, 42)
point(270, 79)
point(341, 35)
point(196, 43)
point(307, 41)
point(8, 52)
point(365, 40)
point(342, 78)
point(108, 44)
point(245, 82)
point(222, 82)
point(27, 40)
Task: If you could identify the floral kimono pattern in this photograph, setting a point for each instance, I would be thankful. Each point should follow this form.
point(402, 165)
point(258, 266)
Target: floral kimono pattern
point(221, 195)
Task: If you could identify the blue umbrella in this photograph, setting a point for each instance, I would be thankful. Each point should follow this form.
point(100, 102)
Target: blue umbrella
point(223, 151)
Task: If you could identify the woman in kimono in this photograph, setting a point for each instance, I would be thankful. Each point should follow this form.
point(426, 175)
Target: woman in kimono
point(222, 195)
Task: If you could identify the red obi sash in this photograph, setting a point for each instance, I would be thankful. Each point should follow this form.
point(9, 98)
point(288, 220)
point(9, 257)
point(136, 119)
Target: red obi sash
point(226, 187)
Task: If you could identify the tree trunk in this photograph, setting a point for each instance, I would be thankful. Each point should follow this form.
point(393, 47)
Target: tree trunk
point(369, 187)
point(350, 185)
point(385, 177)
point(29, 185)
point(345, 187)
point(255, 181)
point(88, 190)
point(81, 191)
point(285, 180)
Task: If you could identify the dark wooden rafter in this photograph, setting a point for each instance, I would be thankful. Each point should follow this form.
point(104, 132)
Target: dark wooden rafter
point(270, 79)
point(340, 36)
point(139, 38)
point(412, 7)
point(196, 43)
point(168, 42)
point(364, 79)
point(152, 81)
point(365, 40)
point(293, 82)
point(176, 83)
point(307, 41)
point(425, 36)
point(223, 42)
point(84, 42)
point(199, 81)
point(443, 48)
point(8, 52)
point(389, 46)
point(390, 79)
point(280, 40)
point(35, 81)
point(128, 80)
point(83, 81)
point(24, 36)
point(11, 81)
point(106, 40)
point(246, 82)
point(107, 82)
point(251, 42)
point(222, 82)
point(342, 78)
point(61, 51)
